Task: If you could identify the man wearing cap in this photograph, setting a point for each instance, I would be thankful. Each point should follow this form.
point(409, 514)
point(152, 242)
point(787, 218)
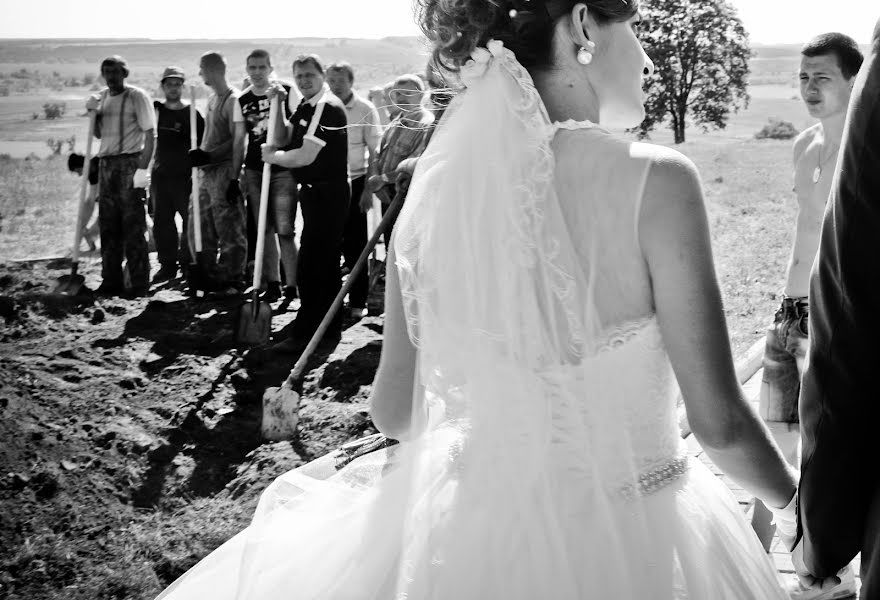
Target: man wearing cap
point(171, 181)
point(125, 125)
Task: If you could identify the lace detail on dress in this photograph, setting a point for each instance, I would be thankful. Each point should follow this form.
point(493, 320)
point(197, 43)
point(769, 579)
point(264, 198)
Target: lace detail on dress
point(621, 334)
point(572, 125)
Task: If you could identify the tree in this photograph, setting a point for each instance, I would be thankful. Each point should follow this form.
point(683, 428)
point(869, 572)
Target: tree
point(701, 57)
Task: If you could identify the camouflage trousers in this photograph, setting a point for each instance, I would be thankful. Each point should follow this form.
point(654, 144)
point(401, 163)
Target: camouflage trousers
point(122, 222)
point(224, 238)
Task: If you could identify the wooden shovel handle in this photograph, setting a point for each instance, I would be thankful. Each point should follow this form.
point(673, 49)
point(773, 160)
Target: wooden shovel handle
point(384, 224)
point(83, 191)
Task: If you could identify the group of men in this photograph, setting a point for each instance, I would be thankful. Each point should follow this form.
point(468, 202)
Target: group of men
point(329, 154)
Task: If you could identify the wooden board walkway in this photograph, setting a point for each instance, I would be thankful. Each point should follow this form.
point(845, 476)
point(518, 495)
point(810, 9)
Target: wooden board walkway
point(781, 556)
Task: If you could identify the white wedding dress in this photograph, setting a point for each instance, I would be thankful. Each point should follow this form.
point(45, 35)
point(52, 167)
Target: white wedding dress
point(552, 464)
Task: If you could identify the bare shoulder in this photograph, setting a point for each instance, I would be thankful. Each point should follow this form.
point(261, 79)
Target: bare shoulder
point(804, 139)
point(672, 178)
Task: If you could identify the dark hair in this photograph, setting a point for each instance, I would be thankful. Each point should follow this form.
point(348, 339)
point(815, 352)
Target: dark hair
point(456, 27)
point(849, 56)
point(213, 60)
point(343, 66)
point(259, 53)
point(309, 59)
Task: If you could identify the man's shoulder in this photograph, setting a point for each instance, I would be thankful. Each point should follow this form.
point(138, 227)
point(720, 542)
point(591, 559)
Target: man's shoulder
point(244, 95)
point(805, 138)
point(362, 103)
point(136, 91)
point(331, 99)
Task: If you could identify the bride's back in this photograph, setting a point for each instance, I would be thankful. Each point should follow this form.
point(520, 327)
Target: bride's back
point(600, 181)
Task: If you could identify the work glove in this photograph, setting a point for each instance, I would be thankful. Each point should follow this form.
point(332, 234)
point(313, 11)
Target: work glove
point(233, 193)
point(199, 158)
point(141, 179)
point(93, 103)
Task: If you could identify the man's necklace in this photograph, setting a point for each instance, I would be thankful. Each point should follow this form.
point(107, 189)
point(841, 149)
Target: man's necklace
point(817, 173)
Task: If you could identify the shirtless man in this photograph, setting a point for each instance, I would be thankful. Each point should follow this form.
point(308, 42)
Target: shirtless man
point(829, 64)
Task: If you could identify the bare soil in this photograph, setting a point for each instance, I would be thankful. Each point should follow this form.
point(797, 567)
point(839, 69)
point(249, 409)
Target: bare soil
point(130, 430)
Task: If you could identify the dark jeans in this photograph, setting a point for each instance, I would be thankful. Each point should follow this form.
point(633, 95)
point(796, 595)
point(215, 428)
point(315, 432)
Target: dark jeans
point(354, 241)
point(324, 209)
point(122, 221)
point(170, 196)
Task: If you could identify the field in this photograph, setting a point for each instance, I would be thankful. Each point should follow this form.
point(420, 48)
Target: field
point(130, 428)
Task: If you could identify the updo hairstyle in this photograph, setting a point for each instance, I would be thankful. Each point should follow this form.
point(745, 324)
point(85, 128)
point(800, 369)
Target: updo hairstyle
point(456, 27)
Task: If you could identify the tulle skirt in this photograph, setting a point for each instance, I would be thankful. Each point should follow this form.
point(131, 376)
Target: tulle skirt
point(369, 532)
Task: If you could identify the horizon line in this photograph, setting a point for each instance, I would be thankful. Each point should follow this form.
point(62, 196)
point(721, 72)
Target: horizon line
point(303, 37)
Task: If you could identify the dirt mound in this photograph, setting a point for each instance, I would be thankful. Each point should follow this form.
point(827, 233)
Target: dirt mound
point(131, 430)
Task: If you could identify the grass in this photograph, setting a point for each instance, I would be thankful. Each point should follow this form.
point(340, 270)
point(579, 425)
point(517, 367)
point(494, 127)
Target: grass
point(38, 202)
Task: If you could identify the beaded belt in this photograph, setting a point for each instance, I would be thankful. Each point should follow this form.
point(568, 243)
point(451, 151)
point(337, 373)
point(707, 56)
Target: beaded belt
point(655, 479)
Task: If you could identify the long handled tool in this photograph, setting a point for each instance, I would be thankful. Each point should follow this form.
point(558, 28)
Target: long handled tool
point(288, 394)
point(195, 274)
point(70, 285)
point(255, 316)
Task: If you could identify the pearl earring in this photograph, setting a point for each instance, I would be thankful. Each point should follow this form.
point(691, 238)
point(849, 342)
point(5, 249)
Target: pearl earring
point(585, 54)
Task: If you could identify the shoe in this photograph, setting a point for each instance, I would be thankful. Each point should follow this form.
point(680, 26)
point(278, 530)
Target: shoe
point(845, 589)
point(90, 241)
point(273, 292)
point(107, 289)
point(226, 291)
point(292, 345)
point(357, 313)
point(165, 273)
point(289, 292)
point(141, 291)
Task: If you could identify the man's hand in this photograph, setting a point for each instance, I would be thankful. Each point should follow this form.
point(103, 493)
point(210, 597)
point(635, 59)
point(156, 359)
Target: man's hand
point(199, 158)
point(233, 193)
point(402, 182)
point(268, 154)
point(276, 89)
point(94, 102)
point(808, 580)
point(374, 184)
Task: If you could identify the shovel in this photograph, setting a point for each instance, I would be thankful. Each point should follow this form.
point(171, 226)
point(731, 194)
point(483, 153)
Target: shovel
point(255, 316)
point(285, 399)
point(195, 274)
point(71, 285)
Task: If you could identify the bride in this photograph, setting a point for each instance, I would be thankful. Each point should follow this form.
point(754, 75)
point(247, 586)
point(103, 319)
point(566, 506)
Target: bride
point(550, 289)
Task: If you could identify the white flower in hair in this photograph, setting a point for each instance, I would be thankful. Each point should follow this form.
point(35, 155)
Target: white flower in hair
point(480, 59)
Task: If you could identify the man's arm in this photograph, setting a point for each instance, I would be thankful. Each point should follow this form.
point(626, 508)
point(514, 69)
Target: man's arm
point(146, 117)
point(293, 159)
point(239, 138)
point(149, 146)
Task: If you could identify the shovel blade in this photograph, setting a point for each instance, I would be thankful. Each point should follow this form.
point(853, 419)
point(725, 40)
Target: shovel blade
point(254, 323)
point(69, 285)
point(280, 413)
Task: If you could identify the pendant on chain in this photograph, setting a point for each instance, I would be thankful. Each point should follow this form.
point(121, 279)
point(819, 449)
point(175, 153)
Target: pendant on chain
point(817, 174)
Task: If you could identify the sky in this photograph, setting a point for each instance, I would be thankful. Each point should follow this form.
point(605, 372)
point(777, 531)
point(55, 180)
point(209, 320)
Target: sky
point(768, 21)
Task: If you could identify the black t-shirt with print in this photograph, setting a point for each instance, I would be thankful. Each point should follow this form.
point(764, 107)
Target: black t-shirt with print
point(172, 143)
point(255, 111)
point(331, 164)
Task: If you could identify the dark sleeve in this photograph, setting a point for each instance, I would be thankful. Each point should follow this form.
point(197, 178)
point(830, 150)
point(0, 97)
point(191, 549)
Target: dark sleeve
point(332, 125)
point(200, 127)
point(839, 405)
point(285, 106)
